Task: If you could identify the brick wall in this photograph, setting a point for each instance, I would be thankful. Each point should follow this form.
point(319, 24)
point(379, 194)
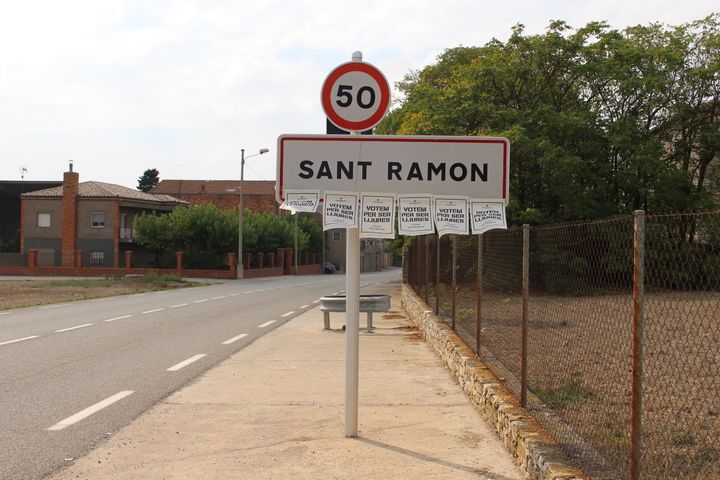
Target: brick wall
point(255, 203)
point(69, 217)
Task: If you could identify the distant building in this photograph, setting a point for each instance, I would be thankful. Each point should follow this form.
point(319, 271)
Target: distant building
point(93, 217)
point(10, 191)
point(225, 194)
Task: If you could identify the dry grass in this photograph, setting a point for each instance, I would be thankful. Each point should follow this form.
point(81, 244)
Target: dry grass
point(27, 293)
point(579, 358)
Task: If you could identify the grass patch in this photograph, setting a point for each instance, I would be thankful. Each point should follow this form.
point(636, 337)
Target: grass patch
point(571, 393)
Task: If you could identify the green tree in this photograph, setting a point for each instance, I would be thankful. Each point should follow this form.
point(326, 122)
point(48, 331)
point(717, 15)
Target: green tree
point(148, 180)
point(601, 121)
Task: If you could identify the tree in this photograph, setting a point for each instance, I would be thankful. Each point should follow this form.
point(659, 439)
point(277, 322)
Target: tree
point(601, 121)
point(149, 179)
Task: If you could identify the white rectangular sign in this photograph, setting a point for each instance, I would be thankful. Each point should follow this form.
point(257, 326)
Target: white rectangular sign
point(377, 215)
point(472, 166)
point(451, 215)
point(415, 215)
point(301, 201)
point(487, 216)
point(340, 210)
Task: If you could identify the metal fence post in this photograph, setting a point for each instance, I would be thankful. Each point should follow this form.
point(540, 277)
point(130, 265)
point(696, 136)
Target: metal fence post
point(454, 278)
point(637, 343)
point(437, 274)
point(478, 290)
point(524, 320)
point(427, 267)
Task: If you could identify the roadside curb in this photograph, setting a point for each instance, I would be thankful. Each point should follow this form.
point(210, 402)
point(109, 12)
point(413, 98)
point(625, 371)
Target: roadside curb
point(537, 454)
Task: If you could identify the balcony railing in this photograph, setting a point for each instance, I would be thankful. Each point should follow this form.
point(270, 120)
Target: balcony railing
point(126, 235)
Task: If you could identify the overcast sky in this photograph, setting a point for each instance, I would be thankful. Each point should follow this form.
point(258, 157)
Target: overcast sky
point(120, 86)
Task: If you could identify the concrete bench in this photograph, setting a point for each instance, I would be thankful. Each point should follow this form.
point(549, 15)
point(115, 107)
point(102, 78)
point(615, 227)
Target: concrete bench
point(368, 304)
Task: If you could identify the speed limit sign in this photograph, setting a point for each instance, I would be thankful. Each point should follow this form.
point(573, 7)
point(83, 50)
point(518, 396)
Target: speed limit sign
point(355, 96)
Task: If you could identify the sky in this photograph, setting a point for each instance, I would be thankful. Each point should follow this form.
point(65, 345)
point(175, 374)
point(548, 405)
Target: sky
point(121, 86)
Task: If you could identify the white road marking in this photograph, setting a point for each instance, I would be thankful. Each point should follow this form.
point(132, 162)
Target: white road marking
point(185, 363)
point(18, 340)
point(251, 291)
point(261, 290)
point(316, 301)
point(153, 311)
point(118, 318)
point(74, 328)
point(5, 313)
point(304, 306)
point(100, 300)
point(201, 301)
point(287, 314)
point(234, 339)
point(218, 298)
point(266, 324)
point(55, 306)
point(234, 294)
point(180, 305)
point(90, 410)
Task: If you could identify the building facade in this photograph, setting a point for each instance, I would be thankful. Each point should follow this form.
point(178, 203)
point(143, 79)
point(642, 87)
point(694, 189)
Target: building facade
point(84, 224)
point(259, 195)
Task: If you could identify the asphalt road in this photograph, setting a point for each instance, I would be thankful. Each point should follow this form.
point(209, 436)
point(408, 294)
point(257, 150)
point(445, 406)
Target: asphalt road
point(72, 374)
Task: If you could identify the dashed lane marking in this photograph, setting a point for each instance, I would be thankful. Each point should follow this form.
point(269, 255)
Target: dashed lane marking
point(287, 314)
point(234, 339)
point(154, 310)
point(74, 328)
point(185, 363)
point(180, 305)
point(304, 306)
point(83, 414)
point(18, 340)
point(266, 324)
point(55, 306)
point(201, 301)
point(117, 318)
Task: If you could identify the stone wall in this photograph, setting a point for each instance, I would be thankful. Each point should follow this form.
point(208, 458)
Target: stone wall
point(535, 452)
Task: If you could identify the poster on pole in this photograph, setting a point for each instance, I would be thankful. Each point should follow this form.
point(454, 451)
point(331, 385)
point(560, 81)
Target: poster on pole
point(415, 215)
point(451, 215)
point(340, 210)
point(487, 216)
point(301, 201)
point(377, 217)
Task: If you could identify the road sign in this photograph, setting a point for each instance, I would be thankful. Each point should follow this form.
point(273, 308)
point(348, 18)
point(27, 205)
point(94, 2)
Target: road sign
point(478, 167)
point(355, 96)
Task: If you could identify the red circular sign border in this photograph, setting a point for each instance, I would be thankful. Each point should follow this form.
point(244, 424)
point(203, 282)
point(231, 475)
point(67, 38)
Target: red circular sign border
point(355, 67)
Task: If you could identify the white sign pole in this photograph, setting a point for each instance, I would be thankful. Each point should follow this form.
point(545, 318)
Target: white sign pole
point(352, 320)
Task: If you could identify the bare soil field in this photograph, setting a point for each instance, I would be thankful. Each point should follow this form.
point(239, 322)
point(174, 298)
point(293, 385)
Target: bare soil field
point(27, 293)
point(579, 375)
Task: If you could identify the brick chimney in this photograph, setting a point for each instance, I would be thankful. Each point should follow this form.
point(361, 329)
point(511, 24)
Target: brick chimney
point(69, 216)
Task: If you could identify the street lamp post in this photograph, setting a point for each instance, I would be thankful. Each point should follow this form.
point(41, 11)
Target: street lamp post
point(240, 273)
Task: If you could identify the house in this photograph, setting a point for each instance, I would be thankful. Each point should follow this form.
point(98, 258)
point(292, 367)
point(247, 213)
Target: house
point(84, 224)
point(259, 195)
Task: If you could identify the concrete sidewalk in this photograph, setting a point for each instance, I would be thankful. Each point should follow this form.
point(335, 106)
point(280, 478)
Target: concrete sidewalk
point(275, 411)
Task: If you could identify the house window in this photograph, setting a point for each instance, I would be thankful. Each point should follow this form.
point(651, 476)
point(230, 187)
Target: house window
point(43, 220)
point(336, 236)
point(97, 258)
point(97, 220)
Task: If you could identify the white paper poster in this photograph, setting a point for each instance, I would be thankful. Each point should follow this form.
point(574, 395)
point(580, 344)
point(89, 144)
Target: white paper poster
point(487, 216)
point(415, 215)
point(377, 217)
point(301, 200)
point(451, 215)
point(340, 210)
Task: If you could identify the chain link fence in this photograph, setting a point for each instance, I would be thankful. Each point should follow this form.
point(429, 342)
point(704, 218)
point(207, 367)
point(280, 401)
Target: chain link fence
point(623, 373)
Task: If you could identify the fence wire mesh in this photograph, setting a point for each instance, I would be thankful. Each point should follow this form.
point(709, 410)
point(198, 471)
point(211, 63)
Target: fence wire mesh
point(580, 331)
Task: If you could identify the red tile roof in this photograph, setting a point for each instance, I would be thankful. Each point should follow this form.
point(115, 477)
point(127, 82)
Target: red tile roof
point(106, 190)
point(215, 187)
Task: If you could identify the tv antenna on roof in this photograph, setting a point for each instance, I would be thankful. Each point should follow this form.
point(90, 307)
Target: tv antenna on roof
point(23, 171)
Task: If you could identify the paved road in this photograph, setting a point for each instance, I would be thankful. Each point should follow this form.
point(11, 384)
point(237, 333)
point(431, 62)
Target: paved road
point(72, 374)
